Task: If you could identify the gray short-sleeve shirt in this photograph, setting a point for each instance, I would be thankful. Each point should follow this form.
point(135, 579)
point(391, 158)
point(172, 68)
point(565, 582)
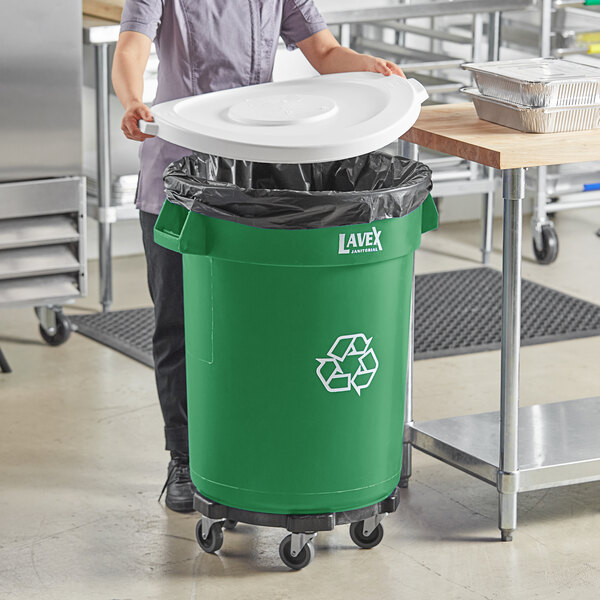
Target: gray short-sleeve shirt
point(205, 46)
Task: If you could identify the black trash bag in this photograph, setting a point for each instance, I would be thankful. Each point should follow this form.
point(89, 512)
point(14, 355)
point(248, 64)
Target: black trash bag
point(362, 189)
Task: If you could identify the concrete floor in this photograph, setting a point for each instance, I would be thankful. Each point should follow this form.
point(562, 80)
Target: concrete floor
point(82, 467)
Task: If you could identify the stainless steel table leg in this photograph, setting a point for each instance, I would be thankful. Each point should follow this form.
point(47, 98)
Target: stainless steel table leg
point(513, 186)
point(103, 176)
point(409, 151)
point(488, 221)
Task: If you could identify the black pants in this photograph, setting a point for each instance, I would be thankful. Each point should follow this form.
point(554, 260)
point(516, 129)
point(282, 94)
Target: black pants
point(165, 281)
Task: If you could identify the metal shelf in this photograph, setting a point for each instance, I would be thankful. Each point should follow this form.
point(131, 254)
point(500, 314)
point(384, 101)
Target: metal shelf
point(415, 60)
point(558, 443)
point(49, 290)
point(42, 234)
point(29, 262)
point(37, 231)
point(446, 36)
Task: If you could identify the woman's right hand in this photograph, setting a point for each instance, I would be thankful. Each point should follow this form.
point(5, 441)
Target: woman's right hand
point(129, 124)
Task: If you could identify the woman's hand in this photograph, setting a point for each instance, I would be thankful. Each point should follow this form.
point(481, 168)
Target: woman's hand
point(380, 65)
point(326, 55)
point(129, 125)
point(129, 62)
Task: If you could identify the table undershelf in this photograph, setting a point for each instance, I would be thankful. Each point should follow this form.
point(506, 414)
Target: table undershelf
point(559, 443)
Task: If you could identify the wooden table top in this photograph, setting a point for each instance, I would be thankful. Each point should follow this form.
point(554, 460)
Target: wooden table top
point(455, 129)
point(104, 9)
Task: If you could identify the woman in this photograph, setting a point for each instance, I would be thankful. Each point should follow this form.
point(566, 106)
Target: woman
point(203, 46)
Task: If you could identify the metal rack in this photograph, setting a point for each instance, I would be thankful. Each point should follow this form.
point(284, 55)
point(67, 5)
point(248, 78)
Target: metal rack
point(367, 30)
point(43, 249)
point(565, 29)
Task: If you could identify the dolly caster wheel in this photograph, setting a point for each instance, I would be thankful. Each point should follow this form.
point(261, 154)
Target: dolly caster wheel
point(549, 250)
point(403, 483)
point(62, 330)
point(368, 541)
point(213, 541)
point(229, 524)
point(302, 558)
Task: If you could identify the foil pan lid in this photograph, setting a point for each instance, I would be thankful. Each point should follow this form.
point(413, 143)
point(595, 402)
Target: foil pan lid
point(536, 70)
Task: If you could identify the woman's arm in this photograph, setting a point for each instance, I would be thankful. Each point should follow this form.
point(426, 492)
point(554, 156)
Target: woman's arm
point(131, 57)
point(326, 55)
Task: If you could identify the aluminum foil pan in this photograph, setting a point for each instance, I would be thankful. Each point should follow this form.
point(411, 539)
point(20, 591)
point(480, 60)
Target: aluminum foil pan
point(553, 119)
point(538, 82)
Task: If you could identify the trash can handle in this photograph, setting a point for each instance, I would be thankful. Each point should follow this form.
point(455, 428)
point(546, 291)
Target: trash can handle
point(180, 230)
point(429, 215)
point(169, 225)
point(419, 89)
point(148, 127)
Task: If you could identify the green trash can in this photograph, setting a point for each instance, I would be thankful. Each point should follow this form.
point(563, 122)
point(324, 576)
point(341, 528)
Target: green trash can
point(296, 354)
point(297, 291)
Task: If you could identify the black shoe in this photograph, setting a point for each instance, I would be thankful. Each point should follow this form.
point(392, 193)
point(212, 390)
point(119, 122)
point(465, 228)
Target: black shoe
point(179, 486)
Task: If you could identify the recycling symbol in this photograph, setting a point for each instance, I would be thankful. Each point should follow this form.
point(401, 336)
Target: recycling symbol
point(350, 364)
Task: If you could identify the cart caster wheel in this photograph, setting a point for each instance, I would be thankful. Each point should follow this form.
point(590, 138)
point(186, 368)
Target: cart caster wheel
point(229, 524)
point(304, 557)
point(62, 333)
point(213, 541)
point(549, 251)
point(363, 541)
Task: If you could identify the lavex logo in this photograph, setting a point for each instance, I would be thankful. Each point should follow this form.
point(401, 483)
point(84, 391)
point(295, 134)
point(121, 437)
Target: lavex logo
point(355, 243)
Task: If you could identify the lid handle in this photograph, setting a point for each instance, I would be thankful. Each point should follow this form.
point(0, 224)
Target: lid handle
point(419, 89)
point(148, 127)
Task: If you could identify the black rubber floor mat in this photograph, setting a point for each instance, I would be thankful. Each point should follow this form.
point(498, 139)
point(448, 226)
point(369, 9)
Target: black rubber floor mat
point(457, 312)
point(460, 312)
point(128, 331)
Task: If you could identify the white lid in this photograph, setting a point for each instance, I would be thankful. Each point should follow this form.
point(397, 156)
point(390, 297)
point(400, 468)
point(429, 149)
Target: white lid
point(323, 118)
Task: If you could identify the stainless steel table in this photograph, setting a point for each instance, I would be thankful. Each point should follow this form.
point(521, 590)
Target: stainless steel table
point(514, 449)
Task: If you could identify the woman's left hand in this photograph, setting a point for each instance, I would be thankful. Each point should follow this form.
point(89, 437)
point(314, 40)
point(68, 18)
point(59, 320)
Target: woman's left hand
point(380, 65)
point(327, 56)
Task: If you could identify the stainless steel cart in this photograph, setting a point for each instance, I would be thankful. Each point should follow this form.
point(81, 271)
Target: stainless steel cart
point(42, 191)
point(565, 29)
